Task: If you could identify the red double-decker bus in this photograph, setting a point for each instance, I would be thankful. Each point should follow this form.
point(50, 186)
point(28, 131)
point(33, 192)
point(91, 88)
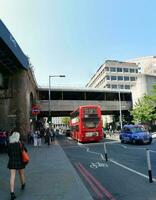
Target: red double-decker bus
point(86, 123)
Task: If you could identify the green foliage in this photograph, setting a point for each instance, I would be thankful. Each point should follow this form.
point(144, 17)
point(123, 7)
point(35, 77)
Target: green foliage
point(145, 109)
point(65, 120)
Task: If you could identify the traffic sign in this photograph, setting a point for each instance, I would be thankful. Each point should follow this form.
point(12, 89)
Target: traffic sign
point(35, 110)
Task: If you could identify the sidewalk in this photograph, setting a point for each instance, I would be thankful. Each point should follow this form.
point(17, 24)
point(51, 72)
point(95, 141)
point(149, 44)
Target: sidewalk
point(49, 176)
point(114, 136)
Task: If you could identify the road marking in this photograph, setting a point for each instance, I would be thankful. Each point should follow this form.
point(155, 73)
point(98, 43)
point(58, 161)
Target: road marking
point(97, 165)
point(102, 157)
point(152, 151)
point(133, 148)
point(132, 170)
point(92, 185)
point(95, 182)
point(97, 143)
point(111, 142)
point(69, 138)
point(124, 146)
point(123, 166)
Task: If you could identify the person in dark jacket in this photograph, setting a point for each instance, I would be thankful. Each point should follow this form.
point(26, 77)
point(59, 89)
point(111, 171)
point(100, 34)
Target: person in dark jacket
point(15, 162)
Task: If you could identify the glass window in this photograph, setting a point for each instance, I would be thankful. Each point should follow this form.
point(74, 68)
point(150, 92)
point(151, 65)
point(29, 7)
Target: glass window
point(120, 78)
point(125, 69)
point(126, 78)
point(112, 69)
point(132, 71)
point(136, 70)
point(127, 87)
point(106, 68)
point(137, 129)
point(107, 77)
point(108, 86)
point(120, 86)
point(113, 78)
point(89, 111)
point(132, 78)
point(114, 86)
point(91, 122)
point(119, 69)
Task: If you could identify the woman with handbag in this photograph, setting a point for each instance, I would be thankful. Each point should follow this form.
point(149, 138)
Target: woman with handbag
point(15, 162)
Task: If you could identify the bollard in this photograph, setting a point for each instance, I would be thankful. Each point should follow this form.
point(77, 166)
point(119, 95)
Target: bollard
point(149, 165)
point(104, 145)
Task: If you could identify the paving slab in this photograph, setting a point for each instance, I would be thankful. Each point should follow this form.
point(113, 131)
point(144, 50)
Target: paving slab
point(49, 176)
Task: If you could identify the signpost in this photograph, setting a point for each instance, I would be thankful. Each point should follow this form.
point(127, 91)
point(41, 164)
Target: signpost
point(35, 110)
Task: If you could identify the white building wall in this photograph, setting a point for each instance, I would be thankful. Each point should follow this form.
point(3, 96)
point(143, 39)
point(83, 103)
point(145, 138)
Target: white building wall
point(144, 85)
point(146, 64)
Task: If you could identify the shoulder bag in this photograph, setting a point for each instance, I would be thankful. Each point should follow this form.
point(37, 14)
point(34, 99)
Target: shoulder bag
point(24, 155)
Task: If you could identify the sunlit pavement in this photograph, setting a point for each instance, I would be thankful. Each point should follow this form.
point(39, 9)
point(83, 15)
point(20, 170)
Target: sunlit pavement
point(113, 136)
point(49, 175)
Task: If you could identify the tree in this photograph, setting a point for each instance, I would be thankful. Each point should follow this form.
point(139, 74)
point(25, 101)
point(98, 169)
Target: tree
point(144, 109)
point(65, 120)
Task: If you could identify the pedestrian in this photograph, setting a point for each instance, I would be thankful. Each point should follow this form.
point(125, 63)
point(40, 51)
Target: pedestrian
point(52, 135)
point(48, 135)
point(35, 138)
point(15, 162)
point(39, 140)
point(31, 137)
point(110, 130)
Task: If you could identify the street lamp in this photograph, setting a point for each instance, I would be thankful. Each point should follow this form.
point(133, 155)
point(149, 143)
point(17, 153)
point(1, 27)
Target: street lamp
point(50, 76)
point(120, 107)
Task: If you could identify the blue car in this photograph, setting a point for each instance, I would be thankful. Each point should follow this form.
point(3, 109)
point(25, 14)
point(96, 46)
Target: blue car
point(135, 134)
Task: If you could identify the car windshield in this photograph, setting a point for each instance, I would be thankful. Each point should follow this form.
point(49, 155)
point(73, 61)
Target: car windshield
point(137, 129)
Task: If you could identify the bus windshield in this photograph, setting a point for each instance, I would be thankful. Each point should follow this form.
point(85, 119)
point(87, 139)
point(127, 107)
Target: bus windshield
point(91, 122)
point(90, 118)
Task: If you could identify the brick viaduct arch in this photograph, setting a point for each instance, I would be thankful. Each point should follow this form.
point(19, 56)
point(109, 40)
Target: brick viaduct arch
point(17, 100)
point(18, 87)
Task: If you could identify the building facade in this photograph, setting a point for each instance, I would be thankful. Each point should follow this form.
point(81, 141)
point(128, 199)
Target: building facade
point(147, 64)
point(115, 75)
point(144, 85)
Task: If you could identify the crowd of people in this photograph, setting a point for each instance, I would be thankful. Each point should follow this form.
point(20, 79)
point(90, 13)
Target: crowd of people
point(35, 137)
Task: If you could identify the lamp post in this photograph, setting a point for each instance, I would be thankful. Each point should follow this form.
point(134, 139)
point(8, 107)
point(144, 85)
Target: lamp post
point(120, 108)
point(50, 76)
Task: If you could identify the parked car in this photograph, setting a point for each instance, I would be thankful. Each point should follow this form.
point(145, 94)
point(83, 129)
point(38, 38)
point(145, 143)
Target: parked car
point(135, 134)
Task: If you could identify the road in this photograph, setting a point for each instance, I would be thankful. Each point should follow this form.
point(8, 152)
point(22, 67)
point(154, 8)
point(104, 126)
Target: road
point(123, 177)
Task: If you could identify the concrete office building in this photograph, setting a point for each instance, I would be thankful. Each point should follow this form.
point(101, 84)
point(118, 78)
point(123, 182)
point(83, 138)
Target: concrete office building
point(147, 64)
point(137, 75)
point(146, 78)
point(144, 85)
point(114, 74)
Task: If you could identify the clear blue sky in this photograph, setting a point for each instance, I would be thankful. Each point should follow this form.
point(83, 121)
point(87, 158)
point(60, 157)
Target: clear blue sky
point(74, 37)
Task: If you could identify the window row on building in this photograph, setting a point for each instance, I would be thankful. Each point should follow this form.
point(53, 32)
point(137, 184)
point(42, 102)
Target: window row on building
point(121, 69)
point(120, 78)
point(116, 86)
point(115, 78)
